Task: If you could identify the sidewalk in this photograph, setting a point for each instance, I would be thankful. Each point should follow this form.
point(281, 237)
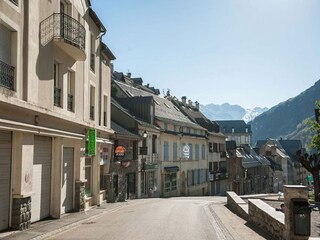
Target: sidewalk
point(46, 228)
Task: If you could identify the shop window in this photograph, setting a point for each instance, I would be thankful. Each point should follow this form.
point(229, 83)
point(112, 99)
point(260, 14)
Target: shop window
point(170, 182)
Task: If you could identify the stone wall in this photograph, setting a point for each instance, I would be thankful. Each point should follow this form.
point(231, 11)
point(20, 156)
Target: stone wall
point(237, 205)
point(21, 213)
point(259, 213)
point(267, 218)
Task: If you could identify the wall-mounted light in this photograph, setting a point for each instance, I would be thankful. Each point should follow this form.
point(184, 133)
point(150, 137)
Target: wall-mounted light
point(145, 134)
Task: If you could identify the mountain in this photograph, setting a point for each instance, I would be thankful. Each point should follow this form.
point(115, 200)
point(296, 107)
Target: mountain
point(286, 119)
point(227, 111)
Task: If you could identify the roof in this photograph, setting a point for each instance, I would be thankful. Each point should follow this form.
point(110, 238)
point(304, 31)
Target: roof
point(121, 131)
point(164, 109)
point(96, 20)
point(251, 158)
point(129, 114)
point(291, 147)
point(193, 113)
point(107, 52)
point(239, 126)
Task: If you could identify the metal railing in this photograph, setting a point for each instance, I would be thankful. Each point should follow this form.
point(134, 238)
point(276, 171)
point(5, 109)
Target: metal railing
point(60, 25)
point(6, 75)
point(70, 102)
point(57, 97)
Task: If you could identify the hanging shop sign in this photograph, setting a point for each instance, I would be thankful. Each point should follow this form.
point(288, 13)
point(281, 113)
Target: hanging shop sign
point(120, 152)
point(92, 142)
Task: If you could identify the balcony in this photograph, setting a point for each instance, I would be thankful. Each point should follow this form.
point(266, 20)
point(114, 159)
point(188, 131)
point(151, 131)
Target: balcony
point(6, 75)
point(66, 32)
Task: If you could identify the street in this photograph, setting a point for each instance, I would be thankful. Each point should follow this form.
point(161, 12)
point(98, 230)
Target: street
point(174, 218)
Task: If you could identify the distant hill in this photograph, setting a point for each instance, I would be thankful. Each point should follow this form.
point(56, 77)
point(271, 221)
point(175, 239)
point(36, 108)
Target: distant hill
point(227, 111)
point(286, 119)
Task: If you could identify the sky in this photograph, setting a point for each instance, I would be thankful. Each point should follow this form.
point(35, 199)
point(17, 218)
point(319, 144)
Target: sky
point(254, 53)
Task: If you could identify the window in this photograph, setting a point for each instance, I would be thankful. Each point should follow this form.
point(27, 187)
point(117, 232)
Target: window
point(232, 130)
point(88, 176)
point(70, 89)
point(92, 53)
point(166, 151)
point(92, 102)
point(210, 147)
point(195, 177)
point(175, 151)
point(201, 176)
point(165, 126)
point(215, 147)
point(246, 130)
point(154, 145)
point(170, 182)
point(56, 83)
point(203, 152)
point(197, 152)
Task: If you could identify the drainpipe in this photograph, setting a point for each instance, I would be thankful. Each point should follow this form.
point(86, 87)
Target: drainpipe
point(100, 76)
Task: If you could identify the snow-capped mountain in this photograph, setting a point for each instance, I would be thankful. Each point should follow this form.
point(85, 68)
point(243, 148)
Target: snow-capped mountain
point(227, 111)
point(253, 113)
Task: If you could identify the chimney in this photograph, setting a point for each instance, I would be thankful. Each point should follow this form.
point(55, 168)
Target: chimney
point(197, 105)
point(129, 74)
point(190, 103)
point(184, 99)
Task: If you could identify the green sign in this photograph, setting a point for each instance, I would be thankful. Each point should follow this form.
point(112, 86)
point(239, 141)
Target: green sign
point(309, 178)
point(92, 142)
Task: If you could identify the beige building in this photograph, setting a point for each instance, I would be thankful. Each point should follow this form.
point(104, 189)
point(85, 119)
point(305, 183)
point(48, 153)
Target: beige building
point(54, 93)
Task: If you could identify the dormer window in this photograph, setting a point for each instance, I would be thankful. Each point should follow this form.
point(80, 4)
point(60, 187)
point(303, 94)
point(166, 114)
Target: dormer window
point(246, 130)
point(232, 130)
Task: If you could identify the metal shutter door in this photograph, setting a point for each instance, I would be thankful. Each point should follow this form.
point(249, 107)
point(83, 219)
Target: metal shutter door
point(67, 181)
point(5, 170)
point(41, 178)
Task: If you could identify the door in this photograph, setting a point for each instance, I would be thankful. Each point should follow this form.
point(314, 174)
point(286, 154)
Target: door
point(67, 180)
point(41, 178)
point(5, 177)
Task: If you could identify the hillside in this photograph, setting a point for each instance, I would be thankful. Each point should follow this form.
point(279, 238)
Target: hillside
point(283, 119)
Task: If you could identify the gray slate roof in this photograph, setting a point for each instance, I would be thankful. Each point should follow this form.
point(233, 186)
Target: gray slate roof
point(251, 158)
point(238, 125)
point(123, 132)
point(164, 109)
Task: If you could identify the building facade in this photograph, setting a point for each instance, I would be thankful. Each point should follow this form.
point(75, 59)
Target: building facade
point(53, 103)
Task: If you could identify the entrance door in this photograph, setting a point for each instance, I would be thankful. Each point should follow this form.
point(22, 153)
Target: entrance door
point(41, 178)
point(67, 180)
point(5, 176)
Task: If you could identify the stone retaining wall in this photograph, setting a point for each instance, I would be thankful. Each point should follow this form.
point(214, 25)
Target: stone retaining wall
point(259, 213)
point(267, 218)
point(237, 205)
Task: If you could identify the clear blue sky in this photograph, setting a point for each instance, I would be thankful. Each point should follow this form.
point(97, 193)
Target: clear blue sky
point(246, 52)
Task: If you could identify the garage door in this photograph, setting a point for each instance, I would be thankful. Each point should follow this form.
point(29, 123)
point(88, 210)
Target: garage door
point(5, 170)
point(67, 181)
point(41, 178)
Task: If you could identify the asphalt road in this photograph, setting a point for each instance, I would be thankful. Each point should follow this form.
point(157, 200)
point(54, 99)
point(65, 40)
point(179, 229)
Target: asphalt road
point(174, 218)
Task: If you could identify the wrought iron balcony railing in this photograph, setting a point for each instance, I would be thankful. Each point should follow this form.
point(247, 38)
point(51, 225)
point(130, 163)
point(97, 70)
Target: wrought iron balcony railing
point(57, 97)
point(70, 102)
point(6, 75)
point(64, 27)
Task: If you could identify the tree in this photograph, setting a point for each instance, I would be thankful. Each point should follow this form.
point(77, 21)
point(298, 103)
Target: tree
point(311, 162)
